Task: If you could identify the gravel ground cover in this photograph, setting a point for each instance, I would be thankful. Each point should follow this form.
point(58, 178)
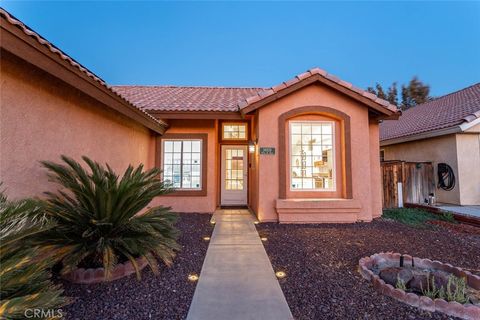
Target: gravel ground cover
point(321, 264)
point(164, 296)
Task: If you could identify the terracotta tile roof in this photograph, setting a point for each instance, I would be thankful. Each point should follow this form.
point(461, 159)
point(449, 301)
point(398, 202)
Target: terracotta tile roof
point(219, 99)
point(448, 111)
point(72, 62)
point(173, 98)
point(314, 73)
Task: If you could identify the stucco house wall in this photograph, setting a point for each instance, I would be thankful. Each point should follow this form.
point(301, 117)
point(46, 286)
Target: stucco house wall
point(468, 147)
point(195, 203)
point(42, 118)
point(363, 204)
point(460, 151)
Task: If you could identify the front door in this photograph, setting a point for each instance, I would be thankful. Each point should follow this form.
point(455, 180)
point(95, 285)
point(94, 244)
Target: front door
point(234, 176)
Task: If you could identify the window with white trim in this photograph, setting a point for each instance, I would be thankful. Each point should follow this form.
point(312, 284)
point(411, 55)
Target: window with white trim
point(312, 155)
point(182, 163)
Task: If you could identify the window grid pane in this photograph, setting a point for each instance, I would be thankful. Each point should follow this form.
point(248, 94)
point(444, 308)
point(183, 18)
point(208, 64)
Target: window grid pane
point(234, 132)
point(182, 163)
point(311, 155)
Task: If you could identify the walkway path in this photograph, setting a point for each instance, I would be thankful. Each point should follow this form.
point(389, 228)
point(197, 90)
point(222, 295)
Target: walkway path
point(468, 210)
point(237, 280)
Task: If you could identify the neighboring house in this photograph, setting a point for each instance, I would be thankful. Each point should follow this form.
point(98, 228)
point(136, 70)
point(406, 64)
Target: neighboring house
point(305, 150)
point(444, 130)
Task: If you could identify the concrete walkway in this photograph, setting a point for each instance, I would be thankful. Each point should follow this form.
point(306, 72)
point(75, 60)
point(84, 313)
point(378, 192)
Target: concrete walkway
point(237, 280)
point(468, 210)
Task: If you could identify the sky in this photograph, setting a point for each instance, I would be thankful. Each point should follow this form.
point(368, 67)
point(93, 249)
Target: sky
point(250, 44)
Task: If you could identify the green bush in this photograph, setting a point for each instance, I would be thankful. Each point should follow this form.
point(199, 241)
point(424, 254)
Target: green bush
point(25, 280)
point(416, 217)
point(101, 219)
point(410, 216)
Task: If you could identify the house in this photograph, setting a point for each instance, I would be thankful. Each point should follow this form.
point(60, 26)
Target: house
point(444, 131)
point(305, 150)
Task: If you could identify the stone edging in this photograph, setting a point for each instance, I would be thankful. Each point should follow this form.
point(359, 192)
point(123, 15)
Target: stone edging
point(97, 275)
point(467, 311)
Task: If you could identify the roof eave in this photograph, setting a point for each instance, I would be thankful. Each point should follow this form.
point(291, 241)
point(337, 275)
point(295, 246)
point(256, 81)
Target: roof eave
point(205, 115)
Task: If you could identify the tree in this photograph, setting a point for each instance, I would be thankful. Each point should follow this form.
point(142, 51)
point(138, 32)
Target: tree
point(416, 92)
point(392, 94)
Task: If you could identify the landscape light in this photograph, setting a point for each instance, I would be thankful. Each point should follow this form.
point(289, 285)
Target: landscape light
point(280, 274)
point(193, 277)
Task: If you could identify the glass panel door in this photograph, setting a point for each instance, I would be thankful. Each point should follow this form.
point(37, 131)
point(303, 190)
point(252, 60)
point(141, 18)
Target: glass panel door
point(234, 175)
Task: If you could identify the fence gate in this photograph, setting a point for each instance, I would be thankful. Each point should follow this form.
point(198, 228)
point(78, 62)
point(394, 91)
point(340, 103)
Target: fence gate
point(416, 177)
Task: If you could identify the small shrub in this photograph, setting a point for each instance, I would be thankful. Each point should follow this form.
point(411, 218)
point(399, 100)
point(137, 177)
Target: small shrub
point(98, 219)
point(456, 290)
point(431, 291)
point(459, 291)
point(400, 284)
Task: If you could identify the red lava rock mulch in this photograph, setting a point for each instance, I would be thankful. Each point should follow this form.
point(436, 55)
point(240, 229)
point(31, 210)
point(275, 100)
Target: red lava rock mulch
point(166, 296)
point(321, 263)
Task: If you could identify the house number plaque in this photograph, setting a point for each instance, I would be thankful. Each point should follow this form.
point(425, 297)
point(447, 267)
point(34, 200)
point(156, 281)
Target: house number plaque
point(267, 150)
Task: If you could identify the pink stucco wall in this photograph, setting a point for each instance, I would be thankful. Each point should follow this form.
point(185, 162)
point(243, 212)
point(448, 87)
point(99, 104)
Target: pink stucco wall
point(202, 204)
point(42, 118)
point(365, 187)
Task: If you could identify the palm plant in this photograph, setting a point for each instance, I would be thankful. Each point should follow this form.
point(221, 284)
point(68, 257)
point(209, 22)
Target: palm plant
point(24, 276)
point(102, 219)
point(20, 220)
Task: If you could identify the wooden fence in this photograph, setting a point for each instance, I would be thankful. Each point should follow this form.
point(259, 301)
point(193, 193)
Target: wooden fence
point(417, 182)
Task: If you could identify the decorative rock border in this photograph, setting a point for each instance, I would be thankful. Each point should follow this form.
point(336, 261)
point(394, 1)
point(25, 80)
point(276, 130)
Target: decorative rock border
point(97, 275)
point(466, 311)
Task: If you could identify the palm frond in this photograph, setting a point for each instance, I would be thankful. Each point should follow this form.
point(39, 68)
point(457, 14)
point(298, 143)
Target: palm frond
point(25, 281)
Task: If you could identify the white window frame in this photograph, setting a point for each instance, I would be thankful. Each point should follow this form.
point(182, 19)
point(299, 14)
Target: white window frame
point(182, 164)
point(334, 169)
